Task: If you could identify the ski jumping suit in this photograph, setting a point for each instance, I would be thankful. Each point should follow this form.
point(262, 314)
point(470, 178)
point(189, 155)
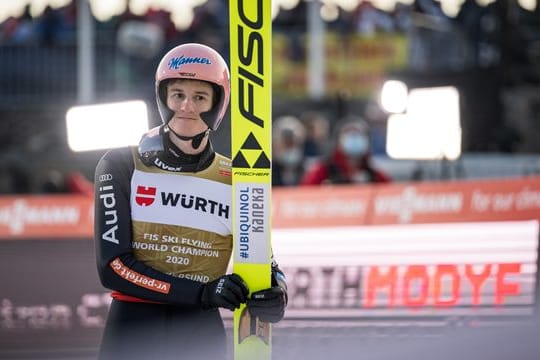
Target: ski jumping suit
point(162, 230)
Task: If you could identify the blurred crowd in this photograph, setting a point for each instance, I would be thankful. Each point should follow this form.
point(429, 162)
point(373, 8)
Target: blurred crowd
point(52, 27)
point(501, 36)
point(481, 24)
point(311, 147)
point(16, 178)
point(307, 150)
point(310, 151)
point(58, 26)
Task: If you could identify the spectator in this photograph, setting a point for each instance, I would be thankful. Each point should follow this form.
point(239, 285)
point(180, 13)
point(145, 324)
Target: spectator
point(349, 160)
point(368, 20)
point(49, 26)
point(56, 182)
point(14, 178)
point(288, 142)
point(162, 18)
point(7, 29)
point(24, 33)
point(377, 118)
point(317, 129)
point(77, 183)
point(402, 15)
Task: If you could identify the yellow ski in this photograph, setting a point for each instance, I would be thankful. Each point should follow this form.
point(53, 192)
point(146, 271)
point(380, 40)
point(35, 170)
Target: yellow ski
point(251, 133)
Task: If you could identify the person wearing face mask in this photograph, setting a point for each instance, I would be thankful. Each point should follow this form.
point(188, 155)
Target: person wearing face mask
point(288, 151)
point(349, 161)
point(163, 224)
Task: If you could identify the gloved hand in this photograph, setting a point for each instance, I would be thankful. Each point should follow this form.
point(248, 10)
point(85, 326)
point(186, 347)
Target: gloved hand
point(269, 304)
point(228, 292)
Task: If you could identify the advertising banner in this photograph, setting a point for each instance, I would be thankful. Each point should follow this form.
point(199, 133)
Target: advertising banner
point(69, 216)
point(408, 203)
point(464, 201)
point(51, 300)
point(435, 270)
point(355, 64)
point(384, 253)
point(46, 217)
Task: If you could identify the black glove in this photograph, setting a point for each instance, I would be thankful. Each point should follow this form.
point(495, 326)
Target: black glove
point(269, 304)
point(228, 291)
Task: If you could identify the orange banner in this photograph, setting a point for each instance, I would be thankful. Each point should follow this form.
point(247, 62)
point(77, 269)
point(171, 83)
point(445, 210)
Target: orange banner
point(408, 203)
point(320, 206)
point(68, 216)
point(460, 201)
point(54, 216)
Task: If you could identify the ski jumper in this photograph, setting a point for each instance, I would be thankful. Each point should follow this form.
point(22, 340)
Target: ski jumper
point(162, 231)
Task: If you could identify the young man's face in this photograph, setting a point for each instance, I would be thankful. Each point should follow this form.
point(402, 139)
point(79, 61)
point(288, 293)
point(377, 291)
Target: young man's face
point(188, 99)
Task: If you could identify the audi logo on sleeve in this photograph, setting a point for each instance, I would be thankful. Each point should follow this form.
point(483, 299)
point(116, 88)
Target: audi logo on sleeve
point(105, 177)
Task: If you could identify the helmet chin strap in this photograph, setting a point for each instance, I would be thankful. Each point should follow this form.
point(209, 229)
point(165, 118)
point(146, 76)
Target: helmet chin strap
point(196, 140)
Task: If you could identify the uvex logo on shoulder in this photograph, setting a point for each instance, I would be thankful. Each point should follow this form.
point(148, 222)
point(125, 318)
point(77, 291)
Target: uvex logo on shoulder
point(145, 195)
point(177, 62)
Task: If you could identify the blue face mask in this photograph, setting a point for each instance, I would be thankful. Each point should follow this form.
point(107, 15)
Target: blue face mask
point(354, 145)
